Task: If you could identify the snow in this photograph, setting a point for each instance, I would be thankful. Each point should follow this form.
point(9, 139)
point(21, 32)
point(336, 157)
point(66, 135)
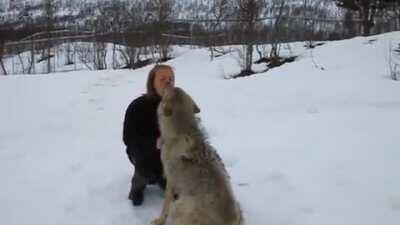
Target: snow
point(302, 145)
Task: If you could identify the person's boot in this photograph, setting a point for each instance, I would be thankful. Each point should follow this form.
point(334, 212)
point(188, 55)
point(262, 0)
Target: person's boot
point(136, 196)
point(137, 189)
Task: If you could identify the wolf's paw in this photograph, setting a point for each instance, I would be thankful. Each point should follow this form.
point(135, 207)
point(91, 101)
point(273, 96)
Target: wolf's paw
point(158, 221)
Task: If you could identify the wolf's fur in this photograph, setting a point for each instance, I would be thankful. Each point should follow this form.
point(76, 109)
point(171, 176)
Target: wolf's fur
point(198, 189)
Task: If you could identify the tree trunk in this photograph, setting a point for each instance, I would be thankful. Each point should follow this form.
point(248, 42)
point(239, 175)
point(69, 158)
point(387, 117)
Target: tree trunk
point(114, 61)
point(249, 47)
point(3, 67)
point(48, 57)
point(1, 58)
point(368, 13)
point(398, 22)
point(249, 57)
point(366, 28)
point(31, 68)
point(68, 54)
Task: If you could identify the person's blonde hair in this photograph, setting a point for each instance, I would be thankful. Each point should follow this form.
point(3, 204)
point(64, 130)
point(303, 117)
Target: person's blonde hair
point(151, 91)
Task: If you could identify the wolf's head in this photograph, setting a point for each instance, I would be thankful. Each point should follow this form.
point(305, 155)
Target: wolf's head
point(176, 100)
point(176, 113)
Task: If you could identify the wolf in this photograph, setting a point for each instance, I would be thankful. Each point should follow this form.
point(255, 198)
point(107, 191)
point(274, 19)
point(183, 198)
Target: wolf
point(198, 190)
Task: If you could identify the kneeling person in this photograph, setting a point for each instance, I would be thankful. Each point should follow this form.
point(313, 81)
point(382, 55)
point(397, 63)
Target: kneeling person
point(141, 132)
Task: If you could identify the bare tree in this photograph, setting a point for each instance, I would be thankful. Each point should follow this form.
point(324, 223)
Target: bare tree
point(22, 63)
point(116, 16)
point(49, 15)
point(100, 24)
point(275, 42)
point(85, 55)
point(394, 62)
point(391, 14)
point(249, 11)
point(312, 11)
point(100, 53)
point(349, 24)
point(221, 10)
point(162, 13)
point(1, 57)
point(367, 10)
point(69, 53)
point(136, 36)
point(129, 55)
point(31, 60)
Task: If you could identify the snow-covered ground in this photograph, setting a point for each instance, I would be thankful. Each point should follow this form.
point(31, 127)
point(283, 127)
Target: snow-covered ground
point(303, 146)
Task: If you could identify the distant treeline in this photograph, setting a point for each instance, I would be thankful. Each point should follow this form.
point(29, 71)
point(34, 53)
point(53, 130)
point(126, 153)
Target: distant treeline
point(158, 23)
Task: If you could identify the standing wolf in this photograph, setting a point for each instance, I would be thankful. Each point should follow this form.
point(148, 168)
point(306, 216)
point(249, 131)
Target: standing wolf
point(198, 190)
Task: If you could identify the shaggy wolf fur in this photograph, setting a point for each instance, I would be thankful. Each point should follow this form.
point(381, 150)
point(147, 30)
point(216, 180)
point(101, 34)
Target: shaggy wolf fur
point(198, 190)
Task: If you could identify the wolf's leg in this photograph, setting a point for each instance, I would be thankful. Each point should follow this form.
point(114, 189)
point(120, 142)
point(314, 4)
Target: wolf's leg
point(169, 197)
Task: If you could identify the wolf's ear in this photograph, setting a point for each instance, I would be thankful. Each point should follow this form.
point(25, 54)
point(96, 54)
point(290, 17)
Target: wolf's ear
point(167, 109)
point(196, 109)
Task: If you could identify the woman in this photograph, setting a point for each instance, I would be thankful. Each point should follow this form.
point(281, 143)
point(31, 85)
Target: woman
point(141, 132)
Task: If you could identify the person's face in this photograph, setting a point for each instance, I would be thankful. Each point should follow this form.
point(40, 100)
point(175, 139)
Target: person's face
point(164, 78)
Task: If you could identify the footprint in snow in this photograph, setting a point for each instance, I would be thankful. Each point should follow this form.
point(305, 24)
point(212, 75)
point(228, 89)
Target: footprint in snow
point(98, 85)
point(312, 110)
point(307, 210)
point(394, 203)
point(278, 179)
point(92, 100)
point(275, 177)
point(70, 206)
point(76, 167)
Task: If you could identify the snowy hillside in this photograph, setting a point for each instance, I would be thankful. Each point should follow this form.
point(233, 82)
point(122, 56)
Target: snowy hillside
point(303, 146)
point(19, 10)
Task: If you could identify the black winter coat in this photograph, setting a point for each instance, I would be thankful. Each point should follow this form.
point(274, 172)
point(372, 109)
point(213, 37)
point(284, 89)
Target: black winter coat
point(140, 135)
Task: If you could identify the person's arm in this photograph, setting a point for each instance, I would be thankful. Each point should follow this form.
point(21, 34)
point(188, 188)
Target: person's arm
point(138, 140)
point(134, 122)
point(130, 131)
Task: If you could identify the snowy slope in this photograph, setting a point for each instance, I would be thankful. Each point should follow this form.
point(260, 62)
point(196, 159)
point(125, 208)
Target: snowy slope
point(302, 145)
